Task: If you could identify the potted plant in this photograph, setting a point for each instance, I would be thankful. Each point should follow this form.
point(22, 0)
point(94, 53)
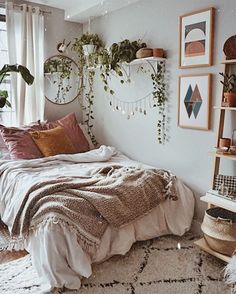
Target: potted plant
point(6, 69)
point(229, 84)
point(89, 43)
point(112, 59)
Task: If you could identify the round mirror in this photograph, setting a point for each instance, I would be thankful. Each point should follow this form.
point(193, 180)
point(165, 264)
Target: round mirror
point(62, 83)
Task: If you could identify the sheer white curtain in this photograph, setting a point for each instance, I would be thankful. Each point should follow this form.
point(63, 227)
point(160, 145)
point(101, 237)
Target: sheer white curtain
point(25, 31)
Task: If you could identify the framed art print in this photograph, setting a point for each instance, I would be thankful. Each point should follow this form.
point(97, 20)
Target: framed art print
point(196, 38)
point(194, 101)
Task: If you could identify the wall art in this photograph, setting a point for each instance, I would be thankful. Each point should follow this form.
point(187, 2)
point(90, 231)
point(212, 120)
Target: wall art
point(194, 101)
point(196, 38)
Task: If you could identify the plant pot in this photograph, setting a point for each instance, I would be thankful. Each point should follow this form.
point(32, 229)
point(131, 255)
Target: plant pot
point(89, 49)
point(230, 98)
point(158, 52)
point(224, 142)
point(144, 52)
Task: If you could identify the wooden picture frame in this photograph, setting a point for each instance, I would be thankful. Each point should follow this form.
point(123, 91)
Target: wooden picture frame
point(196, 38)
point(194, 101)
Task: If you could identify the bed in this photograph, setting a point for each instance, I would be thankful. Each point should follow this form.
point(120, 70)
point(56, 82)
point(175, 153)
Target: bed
point(57, 256)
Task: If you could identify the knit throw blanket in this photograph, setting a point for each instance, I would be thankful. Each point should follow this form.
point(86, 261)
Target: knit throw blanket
point(112, 195)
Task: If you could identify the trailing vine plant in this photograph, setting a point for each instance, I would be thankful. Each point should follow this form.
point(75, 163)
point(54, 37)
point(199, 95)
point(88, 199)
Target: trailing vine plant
point(88, 106)
point(111, 60)
point(160, 99)
point(85, 64)
point(61, 66)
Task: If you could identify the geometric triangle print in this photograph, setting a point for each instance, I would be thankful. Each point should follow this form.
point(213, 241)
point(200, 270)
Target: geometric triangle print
point(187, 101)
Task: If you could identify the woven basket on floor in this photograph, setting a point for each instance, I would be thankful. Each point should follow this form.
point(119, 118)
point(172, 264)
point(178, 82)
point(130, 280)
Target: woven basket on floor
point(219, 228)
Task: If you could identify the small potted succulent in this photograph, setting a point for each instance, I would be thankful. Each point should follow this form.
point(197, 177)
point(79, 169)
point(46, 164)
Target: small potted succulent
point(229, 83)
point(4, 72)
point(90, 43)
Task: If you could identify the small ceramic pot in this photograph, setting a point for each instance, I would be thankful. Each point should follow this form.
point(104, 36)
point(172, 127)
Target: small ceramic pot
point(144, 52)
point(89, 49)
point(224, 142)
point(230, 98)
point(158, 52)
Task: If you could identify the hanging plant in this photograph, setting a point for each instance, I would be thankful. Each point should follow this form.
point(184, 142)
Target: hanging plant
point(85, 63)
point(88, 106)
point(160, 99)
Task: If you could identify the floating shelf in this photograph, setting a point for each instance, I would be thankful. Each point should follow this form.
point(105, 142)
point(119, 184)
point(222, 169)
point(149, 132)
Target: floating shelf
point(219, 201)
point(204, 246)
point(147, 59)
point(230, 61)
point(224, 107)
point(226, 156)
point(139, 61)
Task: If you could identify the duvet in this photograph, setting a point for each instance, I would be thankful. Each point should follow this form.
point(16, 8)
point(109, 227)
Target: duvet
point(60, 250)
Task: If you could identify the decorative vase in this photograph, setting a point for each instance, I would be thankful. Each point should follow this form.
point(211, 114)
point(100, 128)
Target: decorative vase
point(89, 49)
point(230, 98)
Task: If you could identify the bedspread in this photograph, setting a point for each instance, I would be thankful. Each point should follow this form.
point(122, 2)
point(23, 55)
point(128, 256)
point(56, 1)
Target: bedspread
point(114, 195)
point(56, 255)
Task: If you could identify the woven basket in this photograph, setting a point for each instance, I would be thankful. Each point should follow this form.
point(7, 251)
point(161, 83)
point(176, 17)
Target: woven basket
point(219, 228)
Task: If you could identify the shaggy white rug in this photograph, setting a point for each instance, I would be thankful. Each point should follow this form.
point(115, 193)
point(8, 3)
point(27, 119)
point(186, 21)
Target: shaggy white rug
point(151, 267)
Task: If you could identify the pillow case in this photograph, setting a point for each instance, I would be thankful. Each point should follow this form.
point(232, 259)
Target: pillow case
point(19, 142)
point(52, 142)
point(73, 131)
point(4, 153)
point(84, 130)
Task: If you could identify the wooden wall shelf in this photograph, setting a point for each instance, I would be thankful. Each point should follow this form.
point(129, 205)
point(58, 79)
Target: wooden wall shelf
point(225, 108)
point(219, 201)
point(230, 61)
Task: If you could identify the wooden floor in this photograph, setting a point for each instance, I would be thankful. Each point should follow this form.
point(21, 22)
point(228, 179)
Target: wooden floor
point(6, 256)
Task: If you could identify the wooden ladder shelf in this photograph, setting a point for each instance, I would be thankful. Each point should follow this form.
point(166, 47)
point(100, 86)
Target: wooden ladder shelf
point(211, 199)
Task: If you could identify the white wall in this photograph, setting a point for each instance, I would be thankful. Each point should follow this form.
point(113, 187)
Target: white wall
point(187, 153)
point(57, 29)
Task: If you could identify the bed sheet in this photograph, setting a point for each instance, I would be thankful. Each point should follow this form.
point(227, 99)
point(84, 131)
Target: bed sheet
point(60, 261)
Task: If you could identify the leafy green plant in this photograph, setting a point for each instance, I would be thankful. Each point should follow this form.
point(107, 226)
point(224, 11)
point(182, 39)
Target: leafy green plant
point(111, 60)
point(60, 66)
point(87, 75)
point(89, 97)
point(86, 39)
point(160, 98)
point(229, 82)
point(4, 72)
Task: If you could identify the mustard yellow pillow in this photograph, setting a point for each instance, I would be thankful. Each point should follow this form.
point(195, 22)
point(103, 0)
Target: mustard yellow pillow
point(53, 142)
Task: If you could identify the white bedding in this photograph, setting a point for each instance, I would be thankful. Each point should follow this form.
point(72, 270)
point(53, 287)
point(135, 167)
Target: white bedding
point(56, 254)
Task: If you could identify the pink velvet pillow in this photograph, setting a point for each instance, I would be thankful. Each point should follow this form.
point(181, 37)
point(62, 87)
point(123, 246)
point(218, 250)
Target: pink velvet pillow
point(73, 131)
point(20, 143)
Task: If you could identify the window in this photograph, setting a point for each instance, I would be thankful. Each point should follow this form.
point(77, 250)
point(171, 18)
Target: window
point(7, 115)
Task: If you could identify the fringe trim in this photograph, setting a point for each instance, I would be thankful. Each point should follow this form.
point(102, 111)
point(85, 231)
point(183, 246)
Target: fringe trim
point(16, 244)
point(88, 243)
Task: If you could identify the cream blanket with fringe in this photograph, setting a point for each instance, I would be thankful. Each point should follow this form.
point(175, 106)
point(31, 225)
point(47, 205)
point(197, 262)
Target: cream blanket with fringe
point(113, 195)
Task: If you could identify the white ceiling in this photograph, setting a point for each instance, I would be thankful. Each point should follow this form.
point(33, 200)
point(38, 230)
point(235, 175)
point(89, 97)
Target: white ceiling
point(82, 10)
